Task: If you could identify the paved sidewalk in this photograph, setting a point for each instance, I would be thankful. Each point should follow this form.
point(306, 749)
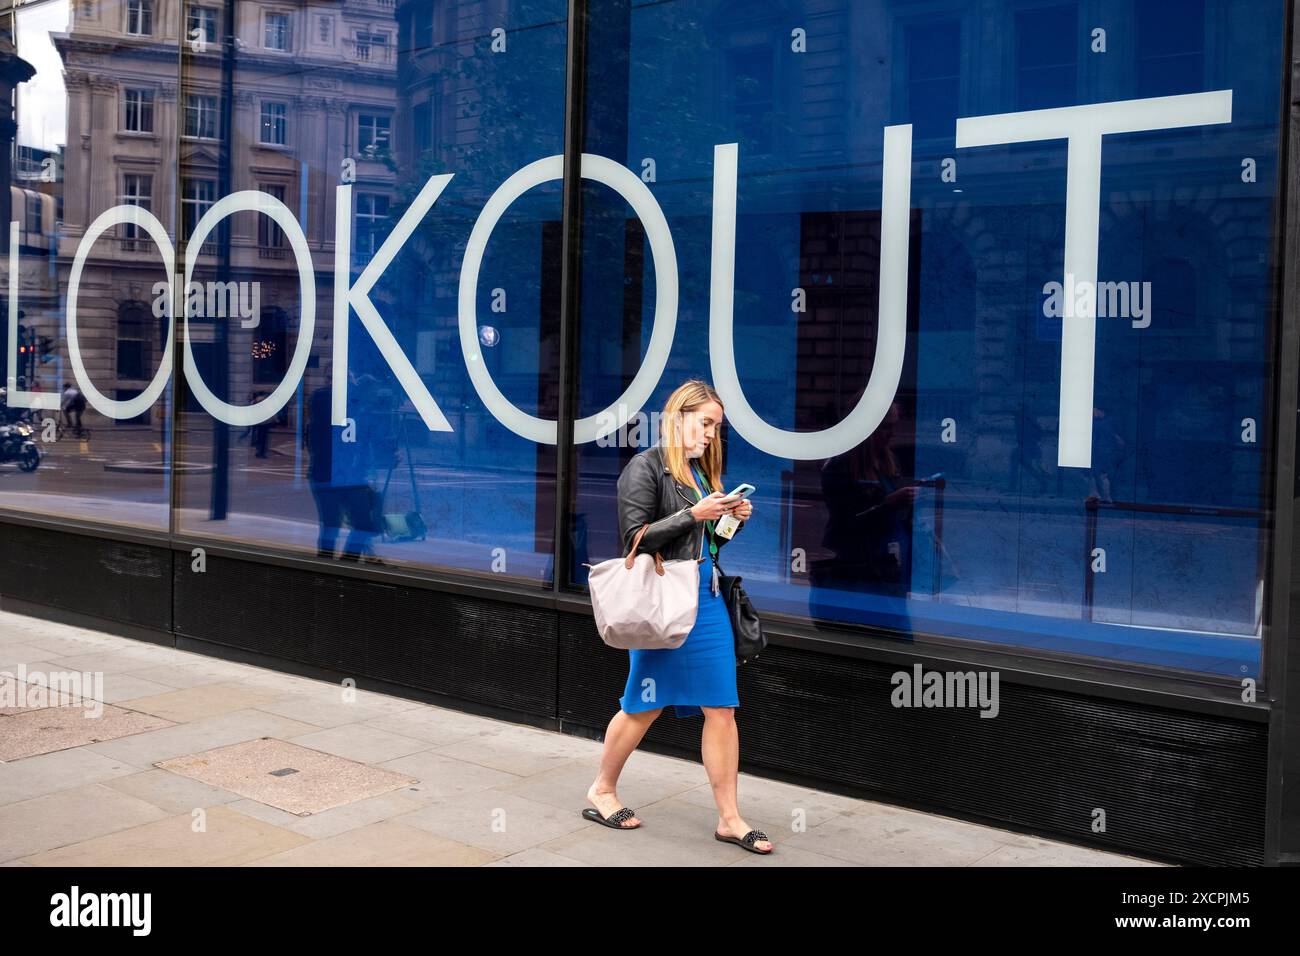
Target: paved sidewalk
point(261, 768)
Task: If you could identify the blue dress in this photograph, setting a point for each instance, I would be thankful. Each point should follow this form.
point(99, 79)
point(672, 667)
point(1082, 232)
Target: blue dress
point(700, 671)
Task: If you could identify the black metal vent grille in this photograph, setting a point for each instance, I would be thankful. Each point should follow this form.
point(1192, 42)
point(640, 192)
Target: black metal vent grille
point(116, 580)
point(491, 652)
point(1173, 784)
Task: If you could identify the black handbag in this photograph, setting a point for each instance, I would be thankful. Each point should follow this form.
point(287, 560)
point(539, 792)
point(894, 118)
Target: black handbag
point(745, 622)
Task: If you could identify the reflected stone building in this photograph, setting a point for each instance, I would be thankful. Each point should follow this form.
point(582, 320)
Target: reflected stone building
point(308, 103)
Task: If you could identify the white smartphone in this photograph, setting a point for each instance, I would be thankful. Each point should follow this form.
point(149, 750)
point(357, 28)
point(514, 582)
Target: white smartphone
point(742, 491)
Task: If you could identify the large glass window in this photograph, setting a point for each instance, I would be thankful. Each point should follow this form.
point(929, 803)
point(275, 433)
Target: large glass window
point(1047, 55)
point(84, 84)
point(273, 123)
point(139, 17)
point(418, 468)
point(201, 24)
point(371, 46)
point(372, 216)
point(201, 117)
point(135, 335)
point(932, 58)
point(977, 404)
point(275, 31)
point(271, 242)
point(197, 197)
point(989, 290)
point(137, 110)
point(137, 190)
point(372, 135)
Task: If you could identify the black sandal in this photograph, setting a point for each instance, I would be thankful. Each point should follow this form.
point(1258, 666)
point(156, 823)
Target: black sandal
point(750, 838)
point(614, 820)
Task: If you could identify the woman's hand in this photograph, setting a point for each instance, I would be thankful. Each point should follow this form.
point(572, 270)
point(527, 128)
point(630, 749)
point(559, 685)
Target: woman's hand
point(712, 507)
point(903, 496)
point(743, 509)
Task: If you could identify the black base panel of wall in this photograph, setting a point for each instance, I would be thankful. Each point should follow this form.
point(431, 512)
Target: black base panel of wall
point(492, 652)
point(1172, 785)
point(130, 584)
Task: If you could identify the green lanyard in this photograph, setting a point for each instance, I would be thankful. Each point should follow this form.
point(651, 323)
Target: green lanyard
point(713, 546)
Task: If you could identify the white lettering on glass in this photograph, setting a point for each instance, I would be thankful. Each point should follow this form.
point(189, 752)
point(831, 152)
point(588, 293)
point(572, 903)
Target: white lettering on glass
point(637, 195)
point(1083, 127)
point(357, 296)
point(891, 335)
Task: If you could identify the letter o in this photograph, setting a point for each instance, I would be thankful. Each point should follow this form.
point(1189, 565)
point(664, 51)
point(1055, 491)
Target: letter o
point(144, 219)
point(251, 200)
point(628, 185)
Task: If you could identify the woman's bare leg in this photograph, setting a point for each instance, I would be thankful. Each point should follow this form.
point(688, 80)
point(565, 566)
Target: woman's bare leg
point(622, 736)
point(720, 748)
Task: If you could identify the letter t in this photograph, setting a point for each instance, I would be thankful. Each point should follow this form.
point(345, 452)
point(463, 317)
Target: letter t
point(1083, 127)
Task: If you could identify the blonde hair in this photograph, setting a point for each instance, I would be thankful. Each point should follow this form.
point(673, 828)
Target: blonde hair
point(688, 397)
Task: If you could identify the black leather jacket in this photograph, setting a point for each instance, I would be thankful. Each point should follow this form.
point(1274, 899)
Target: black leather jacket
point(647, 492)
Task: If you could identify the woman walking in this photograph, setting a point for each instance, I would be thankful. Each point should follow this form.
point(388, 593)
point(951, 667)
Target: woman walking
point(676, 488)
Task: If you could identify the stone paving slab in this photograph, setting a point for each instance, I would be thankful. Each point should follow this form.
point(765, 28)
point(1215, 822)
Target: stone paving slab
point(46, 729)
point(222, 837)
point(287, 776)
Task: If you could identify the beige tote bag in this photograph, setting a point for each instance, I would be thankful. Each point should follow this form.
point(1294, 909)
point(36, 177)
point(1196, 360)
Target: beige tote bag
point(643, 602)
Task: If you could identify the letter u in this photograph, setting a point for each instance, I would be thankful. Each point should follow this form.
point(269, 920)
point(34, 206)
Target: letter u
point(891, 334)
